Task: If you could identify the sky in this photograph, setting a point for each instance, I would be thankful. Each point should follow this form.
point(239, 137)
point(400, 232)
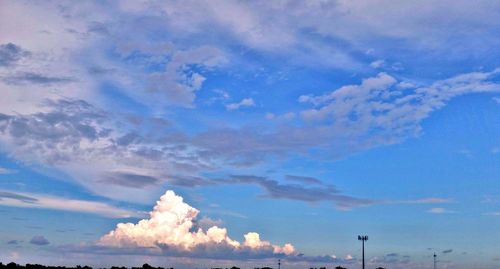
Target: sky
point(198, 134)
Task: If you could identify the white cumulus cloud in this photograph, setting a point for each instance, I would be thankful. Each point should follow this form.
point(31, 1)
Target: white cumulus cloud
point(171, 226)
point(245, 102)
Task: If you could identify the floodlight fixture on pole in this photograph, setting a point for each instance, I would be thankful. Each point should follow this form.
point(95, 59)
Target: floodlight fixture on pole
point(363, 238)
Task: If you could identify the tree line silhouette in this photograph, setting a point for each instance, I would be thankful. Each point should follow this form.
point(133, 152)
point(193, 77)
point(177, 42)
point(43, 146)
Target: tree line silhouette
point(13, 265)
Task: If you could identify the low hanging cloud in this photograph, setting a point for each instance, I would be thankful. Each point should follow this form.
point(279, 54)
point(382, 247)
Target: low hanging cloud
point(171, 230)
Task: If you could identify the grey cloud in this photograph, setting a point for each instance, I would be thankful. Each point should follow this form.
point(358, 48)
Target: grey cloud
point(35, 78)
point(128, 139)
point(99, 71)
point(447, 251)
point(13, 242)
point(129, 180)
point(73, 131)
point(19, 197)
point(178, 83)
point(303, 179)
point(320, 259)
point(11, 53)
point(204, 251)
point(39, 240)
point(54, 134)
point(189, 181)
point(274, 189)
point(98, 28)
point(393, 259)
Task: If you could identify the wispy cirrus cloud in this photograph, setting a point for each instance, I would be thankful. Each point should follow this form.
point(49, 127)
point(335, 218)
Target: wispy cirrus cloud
point(31, 200)
point(440, 210)
point(304, 179)
point(4, 171)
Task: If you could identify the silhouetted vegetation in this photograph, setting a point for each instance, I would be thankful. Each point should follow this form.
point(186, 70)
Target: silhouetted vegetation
point(39, 266)
point(145, 266)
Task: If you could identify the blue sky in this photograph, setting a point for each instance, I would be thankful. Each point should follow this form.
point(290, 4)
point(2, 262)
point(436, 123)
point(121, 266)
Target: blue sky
point(284, 130)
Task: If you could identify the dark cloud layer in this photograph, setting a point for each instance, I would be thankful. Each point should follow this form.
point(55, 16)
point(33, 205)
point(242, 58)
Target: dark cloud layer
point(322, 193)
point(35, 78)
point(303, 179)
point(11, 53)
point(129, 180)
point(39, 240)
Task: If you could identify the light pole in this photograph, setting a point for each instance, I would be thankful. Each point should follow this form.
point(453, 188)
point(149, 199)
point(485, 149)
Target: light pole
point(363, 238)
point(279, 263)
point(435, 260)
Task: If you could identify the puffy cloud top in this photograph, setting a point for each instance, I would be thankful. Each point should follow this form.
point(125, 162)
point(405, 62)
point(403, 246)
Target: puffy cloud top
point(171, 225)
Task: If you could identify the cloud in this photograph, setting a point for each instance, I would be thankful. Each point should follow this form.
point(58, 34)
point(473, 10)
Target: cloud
point(72, 135)
point(377, 111)
point(129, 179)
point(285, 116)
point(440, 210)
point(377, 64)
point(11, 53)
point(303, 179)
point(315, 191)
point(205, 222)
point(447, 251)
point(430, 200)
point(15, 196)
point(4, 171)
point(493, 213)
point(179, 82)
point(13, 242)
point(247, 102)
point(394, 259)
point(274, 189)
point(35, 78)
point(169, 230)
point(39, 240)
point(30, 200)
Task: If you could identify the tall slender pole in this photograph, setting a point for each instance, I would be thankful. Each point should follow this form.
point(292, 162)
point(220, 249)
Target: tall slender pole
point(279, 263)
point(434, 260)
point(363, 254)
point(363, 238)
